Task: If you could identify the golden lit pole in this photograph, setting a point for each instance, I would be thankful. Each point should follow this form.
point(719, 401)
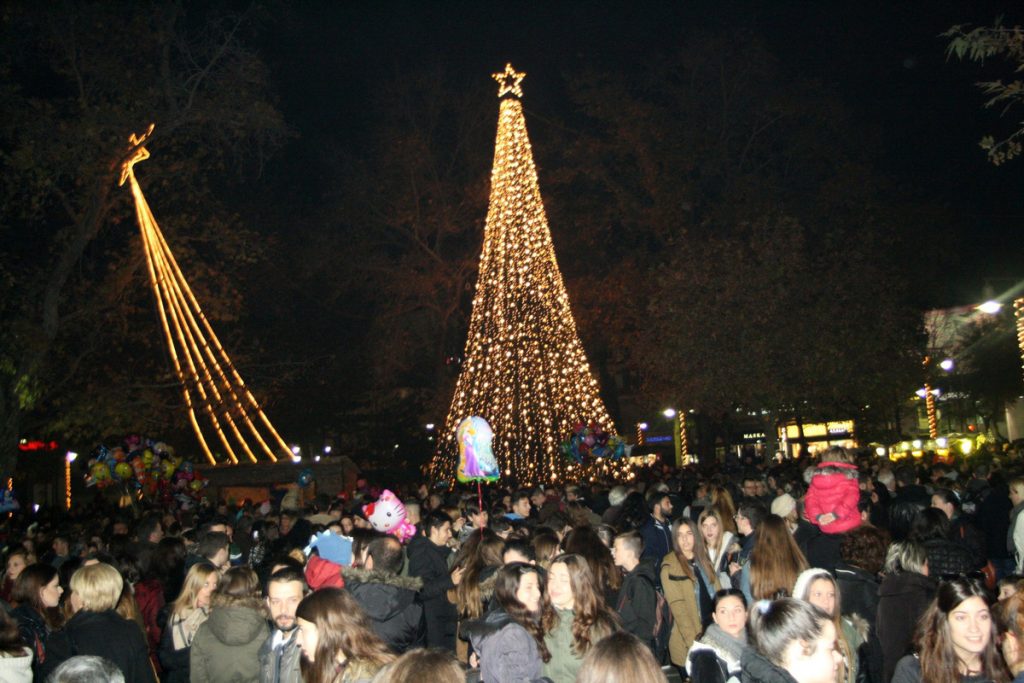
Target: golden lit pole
point(68, 459)
point(929, 403)
point(684, 441)
point(1018, 312)
point(525, 369)
point(209, 381)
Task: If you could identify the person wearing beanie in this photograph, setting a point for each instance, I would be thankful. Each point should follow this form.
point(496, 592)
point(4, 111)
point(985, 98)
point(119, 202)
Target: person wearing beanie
point(785, 506)
point(818, 587)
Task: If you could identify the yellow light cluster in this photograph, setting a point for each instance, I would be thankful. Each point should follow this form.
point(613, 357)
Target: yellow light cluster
point(525, 370)
point(208, 378)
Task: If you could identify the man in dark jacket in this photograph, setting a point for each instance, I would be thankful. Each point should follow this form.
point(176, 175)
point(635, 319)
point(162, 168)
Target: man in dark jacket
point(279, 655)
point(638, 599)
point(657, 530)
point(428, 561)
point(391, 601)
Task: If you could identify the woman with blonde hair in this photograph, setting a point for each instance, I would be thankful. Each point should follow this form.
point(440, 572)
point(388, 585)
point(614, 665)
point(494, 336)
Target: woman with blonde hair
point(718, 540)
point(475, 590)
point(226, 647)
point(690, 586)
point(819, 587)
point(581, 616)
point(186, 614)
point(337, 639)
point(97, 628)
point(775, 562)
point(620, 658)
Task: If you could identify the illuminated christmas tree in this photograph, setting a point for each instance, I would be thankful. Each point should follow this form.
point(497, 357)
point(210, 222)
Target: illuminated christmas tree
point(524, 370)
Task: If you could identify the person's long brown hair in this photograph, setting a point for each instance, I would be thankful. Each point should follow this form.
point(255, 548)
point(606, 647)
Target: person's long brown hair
point(721, 501)
point(486, 553)
point(934, 643)
point(775, 561)
point(592, 620)
point(536, 623)
point(585, 542)
point(700, 553)
point(31, 581)
point(342, 626)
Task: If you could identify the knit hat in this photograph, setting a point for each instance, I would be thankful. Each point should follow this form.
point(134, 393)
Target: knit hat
point(321, 573)
point(783, 505)
point(806, 578)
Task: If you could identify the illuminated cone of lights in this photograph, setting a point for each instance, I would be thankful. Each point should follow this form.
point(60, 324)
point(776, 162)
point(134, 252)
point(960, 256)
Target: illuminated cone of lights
point(524, 369)
point(215, 395)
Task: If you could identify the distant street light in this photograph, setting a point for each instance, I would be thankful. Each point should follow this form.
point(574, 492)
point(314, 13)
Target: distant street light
point(669, 413)
point(991, 307)
point(947, 364)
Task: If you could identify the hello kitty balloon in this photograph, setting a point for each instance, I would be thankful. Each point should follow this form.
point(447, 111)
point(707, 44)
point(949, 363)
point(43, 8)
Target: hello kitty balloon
point(387, 515)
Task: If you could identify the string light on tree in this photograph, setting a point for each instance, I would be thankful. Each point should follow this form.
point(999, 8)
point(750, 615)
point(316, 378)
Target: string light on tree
point(209, 381)
point(525, 370)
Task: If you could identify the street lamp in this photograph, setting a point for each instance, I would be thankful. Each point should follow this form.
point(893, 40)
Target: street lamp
point(991, 307)
point(947, 365)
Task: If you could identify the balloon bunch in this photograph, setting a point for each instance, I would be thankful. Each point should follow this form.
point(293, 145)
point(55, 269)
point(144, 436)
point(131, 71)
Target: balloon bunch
point(592, 440)
point(144, 465)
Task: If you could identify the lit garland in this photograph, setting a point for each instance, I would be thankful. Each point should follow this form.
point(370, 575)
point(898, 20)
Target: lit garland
point(1018, 311)
point(684, 440)
point(525, 370)
point(929, 405)
point(67, 483)
point(200, 362)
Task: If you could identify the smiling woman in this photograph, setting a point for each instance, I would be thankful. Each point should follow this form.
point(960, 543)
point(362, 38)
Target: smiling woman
point(955, 640)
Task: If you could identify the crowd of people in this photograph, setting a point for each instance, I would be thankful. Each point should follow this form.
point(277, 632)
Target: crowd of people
point(837, 569)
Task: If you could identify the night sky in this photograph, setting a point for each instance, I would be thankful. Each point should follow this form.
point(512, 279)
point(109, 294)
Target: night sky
point(885, 61)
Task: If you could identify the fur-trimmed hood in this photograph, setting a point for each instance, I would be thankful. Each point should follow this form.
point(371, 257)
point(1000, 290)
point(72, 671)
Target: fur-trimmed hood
point(860, 625)
point(360, 575)
point(488, 577)
point(845, 469)
point(383, 596)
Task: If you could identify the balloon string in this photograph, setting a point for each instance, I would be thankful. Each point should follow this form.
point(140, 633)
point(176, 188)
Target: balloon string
point(480, 499)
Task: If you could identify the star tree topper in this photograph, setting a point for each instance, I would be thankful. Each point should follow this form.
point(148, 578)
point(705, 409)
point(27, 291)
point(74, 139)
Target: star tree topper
point(508, 81)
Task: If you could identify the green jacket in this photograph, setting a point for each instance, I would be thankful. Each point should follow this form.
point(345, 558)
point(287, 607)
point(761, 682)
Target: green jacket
point(564, 663)
point(226, 647)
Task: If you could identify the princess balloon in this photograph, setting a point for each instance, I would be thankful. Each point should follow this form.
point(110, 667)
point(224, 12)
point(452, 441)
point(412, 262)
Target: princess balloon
point(476, 459)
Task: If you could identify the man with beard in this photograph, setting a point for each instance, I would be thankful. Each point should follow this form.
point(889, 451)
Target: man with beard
point(279, 655)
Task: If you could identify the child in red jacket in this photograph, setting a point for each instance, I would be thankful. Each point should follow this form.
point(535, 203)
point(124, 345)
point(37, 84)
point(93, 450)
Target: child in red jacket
point(832, 497)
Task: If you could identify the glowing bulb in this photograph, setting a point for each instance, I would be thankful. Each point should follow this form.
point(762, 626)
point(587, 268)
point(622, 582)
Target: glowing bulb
point(990, 307)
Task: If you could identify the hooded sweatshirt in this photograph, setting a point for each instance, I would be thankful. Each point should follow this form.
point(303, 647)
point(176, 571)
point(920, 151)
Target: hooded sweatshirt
point(227, 645)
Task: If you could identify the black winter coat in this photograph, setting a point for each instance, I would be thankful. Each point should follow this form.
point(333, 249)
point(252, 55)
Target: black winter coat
point(859, 591)
point(946, 558)
point(393, 604)
point(638, 602)
point(34, 632)
point(429, 562)
point(757, 669)
point(106, 634)
point(902, 599)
